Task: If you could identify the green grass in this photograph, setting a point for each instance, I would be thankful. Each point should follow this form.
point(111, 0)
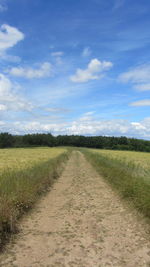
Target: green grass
point(24, 180)
point(130, 179)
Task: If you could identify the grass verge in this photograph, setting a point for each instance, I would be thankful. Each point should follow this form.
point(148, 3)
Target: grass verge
point(20, 189)
point(126, 178)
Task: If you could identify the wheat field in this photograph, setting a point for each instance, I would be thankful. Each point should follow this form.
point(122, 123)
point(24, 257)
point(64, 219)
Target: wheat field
point(22, 158)
point(25, 173)
point(138, 158)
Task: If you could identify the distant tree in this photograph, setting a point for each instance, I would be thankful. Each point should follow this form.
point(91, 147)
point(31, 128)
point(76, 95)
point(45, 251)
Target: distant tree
point(6, 140)
point(103, 142)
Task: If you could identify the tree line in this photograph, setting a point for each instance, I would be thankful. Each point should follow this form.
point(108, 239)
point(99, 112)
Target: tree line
point(104, 142)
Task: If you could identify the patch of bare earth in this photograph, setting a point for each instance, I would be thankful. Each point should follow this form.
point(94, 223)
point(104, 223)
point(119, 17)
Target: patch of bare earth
point(80, 222)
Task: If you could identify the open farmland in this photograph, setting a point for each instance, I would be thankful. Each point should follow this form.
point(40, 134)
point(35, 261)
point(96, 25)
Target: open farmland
point(82, 221)
point(24, 174)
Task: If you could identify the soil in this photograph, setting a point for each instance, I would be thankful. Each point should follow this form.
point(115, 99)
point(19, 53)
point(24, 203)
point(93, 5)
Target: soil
point(81, 222)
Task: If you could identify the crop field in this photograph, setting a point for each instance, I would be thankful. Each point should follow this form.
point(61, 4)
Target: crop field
point(22, 158)
point(137, 163)
point(140, 159)
point(24, 174)
point(128, 172)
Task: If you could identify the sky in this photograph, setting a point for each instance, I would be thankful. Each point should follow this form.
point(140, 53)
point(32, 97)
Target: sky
point(75, 67)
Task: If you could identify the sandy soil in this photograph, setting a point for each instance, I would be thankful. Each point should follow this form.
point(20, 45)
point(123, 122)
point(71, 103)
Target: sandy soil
point(80, 222)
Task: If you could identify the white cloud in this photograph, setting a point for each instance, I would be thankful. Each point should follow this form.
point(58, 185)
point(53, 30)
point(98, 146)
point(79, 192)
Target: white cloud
point(37, 127)
point(117, 127)
point(45, 70)
point(86, 52)
point(2, 123)
point(141, 103)
point(9, 36)
point(3, 107)
point(9, 97)
point(88, 126)
point(138, 126)
point(138, 76)
point(95, 70)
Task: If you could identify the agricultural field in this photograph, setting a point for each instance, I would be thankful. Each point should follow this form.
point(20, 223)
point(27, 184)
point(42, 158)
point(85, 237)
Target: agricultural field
point(137, 163)
point(128, 172)
point(24, 174)
point(85, 197)
point(22, 158)
point(141, 159)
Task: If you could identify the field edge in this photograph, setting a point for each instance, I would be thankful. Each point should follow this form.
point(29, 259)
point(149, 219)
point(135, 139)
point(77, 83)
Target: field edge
point(13, 206)
point(136, 190)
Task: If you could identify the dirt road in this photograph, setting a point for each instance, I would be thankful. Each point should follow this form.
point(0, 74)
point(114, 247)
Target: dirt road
point(81, 222)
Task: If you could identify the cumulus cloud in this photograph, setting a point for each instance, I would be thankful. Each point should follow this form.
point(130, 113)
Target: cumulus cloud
point(45, 70)
point(94, 71)
point(87, 124)
point(9, 97)
point(37, 127)
point(141, 103)
point(9, 36)
point(86, 52)
point(117, 127)
point(139, 77)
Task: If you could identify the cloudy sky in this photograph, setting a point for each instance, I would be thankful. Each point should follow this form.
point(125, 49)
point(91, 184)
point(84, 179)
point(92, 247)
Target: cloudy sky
point(75, 67)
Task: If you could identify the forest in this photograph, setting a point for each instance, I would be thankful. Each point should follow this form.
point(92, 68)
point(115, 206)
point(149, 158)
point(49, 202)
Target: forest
point(102, 142)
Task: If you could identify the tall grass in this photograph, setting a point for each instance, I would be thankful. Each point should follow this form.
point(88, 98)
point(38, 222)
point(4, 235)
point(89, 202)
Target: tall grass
point(131, 180)
point(20, 188)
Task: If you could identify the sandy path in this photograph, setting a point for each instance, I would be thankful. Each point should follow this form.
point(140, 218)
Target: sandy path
point(81, 222)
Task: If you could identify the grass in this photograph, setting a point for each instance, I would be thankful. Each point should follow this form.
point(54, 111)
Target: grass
point(127, 172)
point(25, 174)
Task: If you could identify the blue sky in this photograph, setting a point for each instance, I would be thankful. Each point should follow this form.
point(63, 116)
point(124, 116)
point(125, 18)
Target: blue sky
point(75, 67)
